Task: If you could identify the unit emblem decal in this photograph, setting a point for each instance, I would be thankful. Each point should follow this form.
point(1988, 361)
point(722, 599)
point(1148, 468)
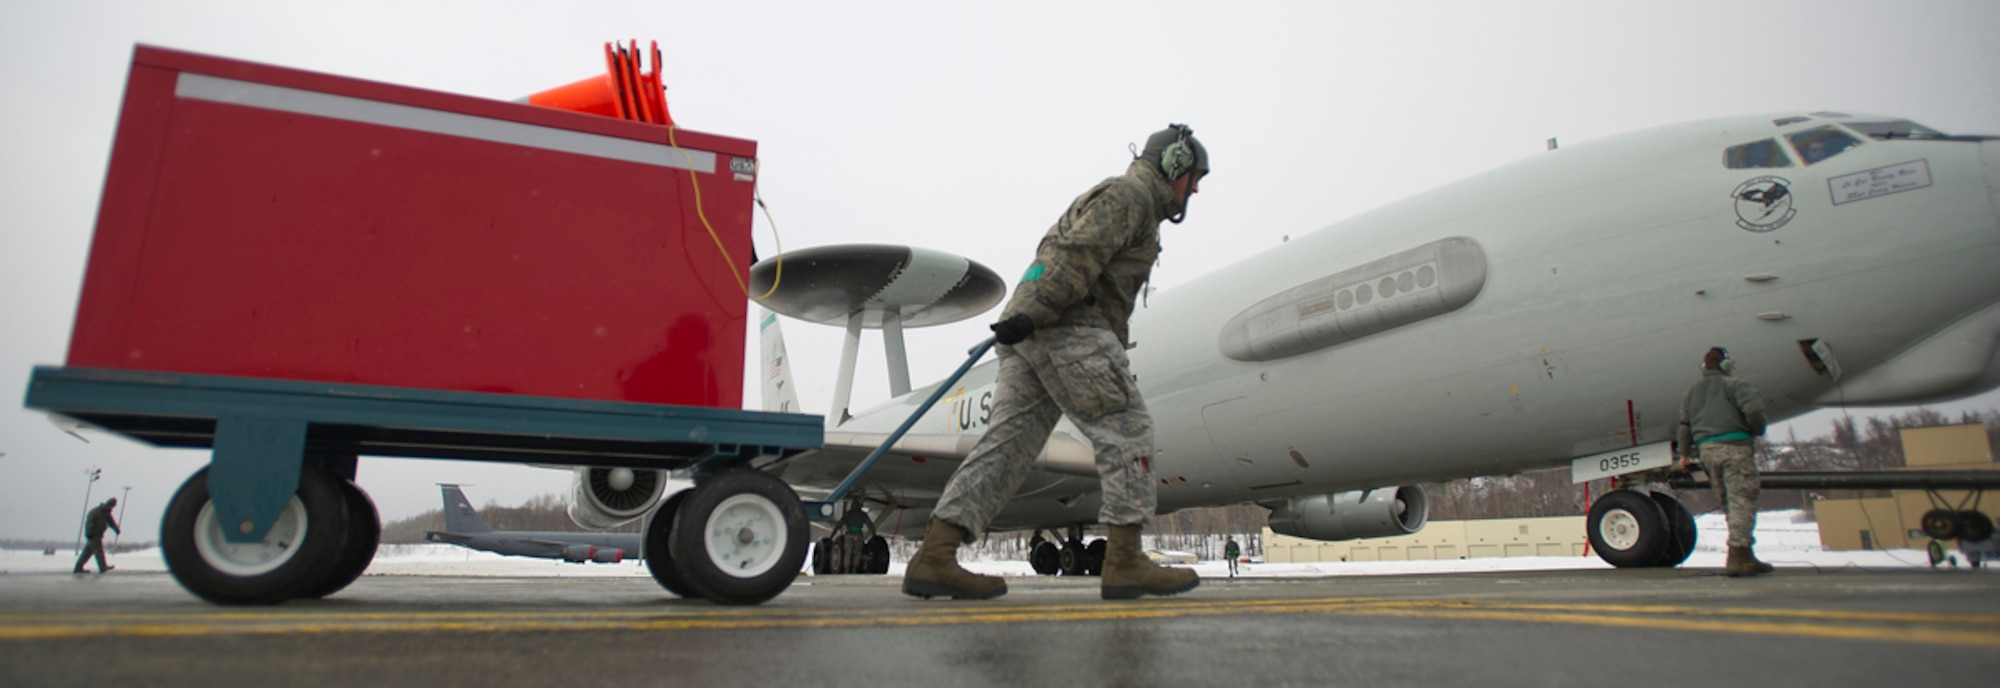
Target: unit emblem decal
point(1763, 203)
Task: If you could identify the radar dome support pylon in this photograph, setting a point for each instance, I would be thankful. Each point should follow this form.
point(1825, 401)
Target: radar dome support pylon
point(886, 287)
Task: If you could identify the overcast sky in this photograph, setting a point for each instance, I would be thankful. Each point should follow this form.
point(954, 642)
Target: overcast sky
point(962, 127)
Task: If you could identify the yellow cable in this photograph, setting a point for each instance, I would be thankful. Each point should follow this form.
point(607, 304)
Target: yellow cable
point(695, 180)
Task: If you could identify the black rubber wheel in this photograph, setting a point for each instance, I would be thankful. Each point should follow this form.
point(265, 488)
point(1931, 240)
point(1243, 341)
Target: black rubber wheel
point(362, 537)
point(1627, 529)
point(1974, 526)
point(1045, 558)
point(293, 558)
point(1681, 531)
point(1095, 558)
point(659, 557)
point(876, 553)
point(1940, 524)
point(1074, 559)
point(740, 537)
point(819, 556)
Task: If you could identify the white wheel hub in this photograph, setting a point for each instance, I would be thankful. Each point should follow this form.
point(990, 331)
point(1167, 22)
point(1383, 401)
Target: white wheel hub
point(745, 535)
point(1620, 529)
point(279, 545)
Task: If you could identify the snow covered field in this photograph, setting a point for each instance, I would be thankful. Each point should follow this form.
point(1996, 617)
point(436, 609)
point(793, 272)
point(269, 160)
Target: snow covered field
point(1781, 539)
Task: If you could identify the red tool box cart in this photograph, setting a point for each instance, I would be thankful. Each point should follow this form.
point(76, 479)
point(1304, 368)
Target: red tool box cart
point(296, 269)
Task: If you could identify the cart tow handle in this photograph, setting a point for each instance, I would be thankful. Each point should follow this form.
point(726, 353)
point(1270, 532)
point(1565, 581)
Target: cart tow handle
point(823, 511)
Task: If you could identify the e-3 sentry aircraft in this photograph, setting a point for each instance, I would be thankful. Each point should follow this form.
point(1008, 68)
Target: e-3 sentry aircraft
point(1546, 313)
point(464, 527)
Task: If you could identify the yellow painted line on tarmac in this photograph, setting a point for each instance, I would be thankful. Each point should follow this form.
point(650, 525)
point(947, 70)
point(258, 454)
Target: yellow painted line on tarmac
point(1966, 630)
point(1900, 634)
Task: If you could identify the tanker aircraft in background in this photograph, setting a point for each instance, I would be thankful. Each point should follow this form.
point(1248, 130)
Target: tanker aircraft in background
point(1547, 313)
point(463, 527)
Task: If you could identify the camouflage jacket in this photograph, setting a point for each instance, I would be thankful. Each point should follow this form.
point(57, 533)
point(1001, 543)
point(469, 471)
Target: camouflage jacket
point(1091, 264)
point(1720, 405)
point(100, 518)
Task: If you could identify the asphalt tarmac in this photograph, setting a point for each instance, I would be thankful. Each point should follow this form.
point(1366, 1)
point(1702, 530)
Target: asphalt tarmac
point(1676, 627)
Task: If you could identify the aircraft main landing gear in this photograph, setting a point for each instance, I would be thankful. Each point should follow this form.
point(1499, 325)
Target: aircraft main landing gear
point(1633, 529)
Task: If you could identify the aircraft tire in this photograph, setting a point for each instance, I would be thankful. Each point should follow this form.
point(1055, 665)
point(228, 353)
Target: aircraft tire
point(1074, 559)
point(819, 555)
point(293, 557)
point(1940, 524)
point(1045, 559)
point(659, 558)
point(1627, 529)
point(1681, 534)
point(1974, 526)
point(359, 541)
point(740, 537)
point(1094, 557)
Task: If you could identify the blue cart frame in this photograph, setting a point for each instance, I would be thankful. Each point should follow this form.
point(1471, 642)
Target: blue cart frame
point(267, 434)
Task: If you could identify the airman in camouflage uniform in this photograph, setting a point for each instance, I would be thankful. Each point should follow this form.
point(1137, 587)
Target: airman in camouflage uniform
point(93, 531)
point(1062, 341)
point(1720, 418)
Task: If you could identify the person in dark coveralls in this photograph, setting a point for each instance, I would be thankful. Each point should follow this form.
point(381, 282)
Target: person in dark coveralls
point(1231, 552)
point(93, 531)
point(1720, 418)
point(1062, 341)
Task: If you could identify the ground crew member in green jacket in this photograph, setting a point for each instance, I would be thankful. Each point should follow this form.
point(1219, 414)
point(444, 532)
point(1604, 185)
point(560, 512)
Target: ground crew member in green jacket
point(93, 532)
point(1231, 552)
point(1062, 341)
point(1720, 418)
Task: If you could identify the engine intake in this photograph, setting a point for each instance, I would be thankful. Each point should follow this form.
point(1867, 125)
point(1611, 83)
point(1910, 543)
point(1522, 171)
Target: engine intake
point(605, 498)
point(1380, 512)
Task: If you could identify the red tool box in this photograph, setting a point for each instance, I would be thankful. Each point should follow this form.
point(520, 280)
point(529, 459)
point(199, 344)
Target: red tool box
point(267, 222)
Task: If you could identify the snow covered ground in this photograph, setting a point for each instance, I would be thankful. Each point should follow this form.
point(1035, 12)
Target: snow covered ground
point(1782, 539)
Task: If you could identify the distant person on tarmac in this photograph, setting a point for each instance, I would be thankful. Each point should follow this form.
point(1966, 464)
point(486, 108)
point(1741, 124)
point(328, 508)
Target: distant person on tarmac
point(1721, 417)
point(1231, 552)
point(93, 531)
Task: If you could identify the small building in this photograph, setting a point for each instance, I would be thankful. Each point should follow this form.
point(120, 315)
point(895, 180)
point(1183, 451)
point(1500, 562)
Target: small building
point(1555, 536)
point(1894, 522)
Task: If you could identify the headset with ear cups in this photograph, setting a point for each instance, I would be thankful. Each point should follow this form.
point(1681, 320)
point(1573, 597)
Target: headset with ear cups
point(1728, 363)
point(1178, 157)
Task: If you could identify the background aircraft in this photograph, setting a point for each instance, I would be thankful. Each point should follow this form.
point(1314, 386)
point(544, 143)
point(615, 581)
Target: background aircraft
point(463, 527)
point(1547, 311)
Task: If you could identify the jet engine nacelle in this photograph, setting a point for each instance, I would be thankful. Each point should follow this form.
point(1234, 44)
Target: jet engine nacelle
point(1380, 512)
point(605, 498)
point(577, 554)
point(604, 555)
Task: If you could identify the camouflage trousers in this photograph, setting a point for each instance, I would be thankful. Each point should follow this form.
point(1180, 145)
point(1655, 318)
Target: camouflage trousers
point(1733, 472)
point(92, 546)
point(1080, 372)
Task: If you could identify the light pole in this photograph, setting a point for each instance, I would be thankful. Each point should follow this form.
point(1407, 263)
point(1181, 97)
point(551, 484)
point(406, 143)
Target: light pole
point(122, 501)
point(92, 474)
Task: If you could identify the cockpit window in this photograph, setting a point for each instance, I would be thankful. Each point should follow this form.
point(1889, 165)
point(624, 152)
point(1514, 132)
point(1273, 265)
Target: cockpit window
point(1895, 129)
point(1765, 153)
point(1820, 143)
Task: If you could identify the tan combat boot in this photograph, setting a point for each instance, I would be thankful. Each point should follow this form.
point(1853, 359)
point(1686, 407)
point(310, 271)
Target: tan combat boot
point(1128, 574)
point(934, 571)
point(1742, 563)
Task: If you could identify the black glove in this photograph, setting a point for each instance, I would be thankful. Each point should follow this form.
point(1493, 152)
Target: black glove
point(1013, 330)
